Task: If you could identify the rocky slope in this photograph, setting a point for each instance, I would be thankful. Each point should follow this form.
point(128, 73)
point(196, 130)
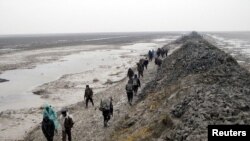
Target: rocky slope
point(196, 86)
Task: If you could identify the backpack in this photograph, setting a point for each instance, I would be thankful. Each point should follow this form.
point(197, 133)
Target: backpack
point(135, 82)
point(140, 67)
point(129, 87)
point(105, 105)
point(130, 72)
point(68, 123)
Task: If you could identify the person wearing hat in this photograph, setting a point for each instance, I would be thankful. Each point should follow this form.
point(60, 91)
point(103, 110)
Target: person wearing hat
point(67, 123)
point(48, 128)
point(50, 122)
point(88, 96)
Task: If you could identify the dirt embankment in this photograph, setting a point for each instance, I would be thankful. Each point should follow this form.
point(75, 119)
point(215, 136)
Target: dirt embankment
point(196, 86)
point(89, 122)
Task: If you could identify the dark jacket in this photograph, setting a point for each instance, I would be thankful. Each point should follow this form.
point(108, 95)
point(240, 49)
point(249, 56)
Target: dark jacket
point(138, 82)
point(145, 62)
point(162, 52)
point(166, 52)
point(48, 127)
point(140, 67)
point(158, 61)
point(130, 73)
point(158, 52)
point(88, 93)
point(129, 88)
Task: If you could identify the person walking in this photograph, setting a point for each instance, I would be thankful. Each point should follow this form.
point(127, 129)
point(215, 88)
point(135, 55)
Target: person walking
point(67, 124)
point(150, 55)
point(145, 63)
point(50, 113)
point(136, 84)
point(129, 90)
point(48, 128)
point(166, 52)
point(158, 62)
point(88, 96)
point(154, 53)
point(162, 52)
point(158, 52)
point(130, 73)
point(106, 107)
point(140, 70)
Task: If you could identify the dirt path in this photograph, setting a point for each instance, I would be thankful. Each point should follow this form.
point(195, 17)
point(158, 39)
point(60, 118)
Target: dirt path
point(89, 122)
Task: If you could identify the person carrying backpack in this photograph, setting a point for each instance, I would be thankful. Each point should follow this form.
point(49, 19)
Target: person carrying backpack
point(106, 107)
point(162, 52)
point(145, 63)
point(136, 84)
point(48, 128)
point(88, 96)
point(49, 115)
point(140, 69)
point(150, 55)
point(130, 73)
point(129, 90)
point(158, 62)
point(166, 52)
point(158, 52)
point(67, 124)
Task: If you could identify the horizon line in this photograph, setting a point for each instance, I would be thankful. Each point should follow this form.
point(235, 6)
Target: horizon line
point(65, 33)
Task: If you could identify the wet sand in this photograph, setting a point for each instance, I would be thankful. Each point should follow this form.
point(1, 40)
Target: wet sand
point(71, 86)
point(89, 122)
point(91, 118)
point(239, 49)
point(19, 119)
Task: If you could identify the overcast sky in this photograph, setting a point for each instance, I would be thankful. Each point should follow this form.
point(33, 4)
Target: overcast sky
point(74, 16)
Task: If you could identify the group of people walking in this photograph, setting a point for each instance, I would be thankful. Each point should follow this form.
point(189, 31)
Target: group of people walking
point(161, 52)
point(134, 79)
point(51, 124)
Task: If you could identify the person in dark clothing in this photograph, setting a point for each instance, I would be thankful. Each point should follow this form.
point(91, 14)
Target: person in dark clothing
point(162, 52)
point(67, 124)
point(158, 62)
point(141, 61)
point(136, 84)
point(145, 63)
point(158, 52)
point(106, 107)
point(150, 55)
point(166, 52)
point(88, 96)
point(140, 69)
point(48, 128)
point(129, 90)
point(130, 73)
point(153, 53)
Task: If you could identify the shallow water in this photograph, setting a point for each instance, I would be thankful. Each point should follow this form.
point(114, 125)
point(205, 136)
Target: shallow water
point(235, 41)
point(17, 93)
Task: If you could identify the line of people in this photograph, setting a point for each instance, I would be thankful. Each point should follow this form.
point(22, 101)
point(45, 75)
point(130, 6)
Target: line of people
point(51, 124)
point(159, 53)
point(134, 80)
